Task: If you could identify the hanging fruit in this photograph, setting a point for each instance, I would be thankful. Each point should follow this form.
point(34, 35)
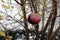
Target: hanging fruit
point(34, 18)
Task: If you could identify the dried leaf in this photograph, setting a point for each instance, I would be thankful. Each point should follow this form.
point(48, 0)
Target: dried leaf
point(2, 0)
point(21, 16)
point(2, 33)
point(12, 6)
point(41, 13)
point(0, 16)
point(44, 4)
point(9, 0)
point(4, 6)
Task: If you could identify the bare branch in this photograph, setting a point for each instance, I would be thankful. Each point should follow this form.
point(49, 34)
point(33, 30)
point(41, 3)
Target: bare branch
point(53, 18)
point(25, 21)
point(54, 33)
point(18, 2)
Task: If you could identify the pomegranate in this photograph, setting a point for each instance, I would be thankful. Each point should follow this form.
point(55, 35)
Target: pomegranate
point(34, 18)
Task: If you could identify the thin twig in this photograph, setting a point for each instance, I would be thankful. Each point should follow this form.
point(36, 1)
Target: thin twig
point(54, 33)
point(25, 21)
point(18, 2)
point(53, 18)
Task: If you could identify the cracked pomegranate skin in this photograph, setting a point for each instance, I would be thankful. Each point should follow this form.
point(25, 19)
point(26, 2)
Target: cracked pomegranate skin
point(34, 18)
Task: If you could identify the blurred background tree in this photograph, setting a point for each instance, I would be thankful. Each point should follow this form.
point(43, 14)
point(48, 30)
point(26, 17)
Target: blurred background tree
point(14, 14)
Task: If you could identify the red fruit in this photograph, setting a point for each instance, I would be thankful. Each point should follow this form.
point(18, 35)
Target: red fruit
point(34, 18)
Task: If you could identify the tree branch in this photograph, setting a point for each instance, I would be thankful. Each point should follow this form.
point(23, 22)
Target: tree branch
point(54, 33)
point(53, 18)
point(25, 21)
point(18, 2)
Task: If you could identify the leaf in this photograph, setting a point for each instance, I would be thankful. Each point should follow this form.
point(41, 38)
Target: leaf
point(0, 16)
point(44, 4)
point(2, 33)
point(41, 13)
point(2, 0)
point(12, 6)
point(35, 1)
point(4, 6)
point(21, 16)
point(9, 0)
